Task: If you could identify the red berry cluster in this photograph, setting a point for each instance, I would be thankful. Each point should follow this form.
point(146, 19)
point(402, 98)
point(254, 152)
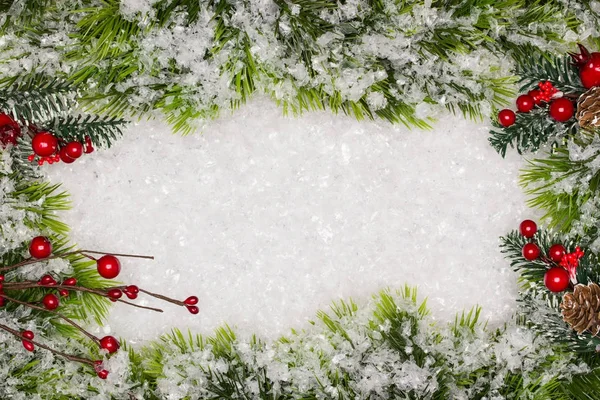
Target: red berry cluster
point(589, 66)
point(108, 266)
point(561, 109)
point(561, 265)
point(49, 149)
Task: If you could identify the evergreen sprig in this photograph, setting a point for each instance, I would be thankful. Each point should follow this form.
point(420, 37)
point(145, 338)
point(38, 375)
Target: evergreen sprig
point(101, 130)
point(534, 66)
point(530, 132)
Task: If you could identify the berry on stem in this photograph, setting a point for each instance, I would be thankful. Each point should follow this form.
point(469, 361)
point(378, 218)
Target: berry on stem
point(536, 96)
point(28, 345)
point(102, 374)
point(556, 279)
point(47, 280)
point(114, 294)
point(44, 144)
point(50, 301)
point(28, 335)
point(193, 309)
point(74, 150)
point(64, 156)
point(191, 301)
point(556, 252)
point(40, 247)
point(525, 103)
point(528, 228)
point(507, 118)
point(108, 266)
point(110, 344)
point(561, 109)
point(70, 282)
point(589, 66)
point(531, 251)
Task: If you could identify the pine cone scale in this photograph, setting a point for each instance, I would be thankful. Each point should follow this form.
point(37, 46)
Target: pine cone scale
point(588, 108)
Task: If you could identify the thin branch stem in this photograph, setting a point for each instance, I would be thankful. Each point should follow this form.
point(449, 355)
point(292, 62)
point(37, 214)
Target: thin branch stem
point(43, 346)
point(165, 298)
point(70, 253)
point(70, 321)
point(31, 284)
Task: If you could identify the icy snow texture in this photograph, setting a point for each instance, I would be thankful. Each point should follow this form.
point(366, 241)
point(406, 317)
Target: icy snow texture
point(268, 219)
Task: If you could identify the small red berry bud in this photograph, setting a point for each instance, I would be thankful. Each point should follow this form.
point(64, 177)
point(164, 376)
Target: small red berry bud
point(28, 345)
point(50, 301)
point(64, 292)
point(114, 294)
point(70, 282)
point(131, 295)
point(28, 335)
point(47, 280)
point(110, 344)
point(191, 301)
point(132, 289)
point(193, 309)
point(102, 374)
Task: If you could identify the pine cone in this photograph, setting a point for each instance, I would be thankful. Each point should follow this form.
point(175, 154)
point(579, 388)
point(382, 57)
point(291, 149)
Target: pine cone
point(588, 108)
point(581, 309)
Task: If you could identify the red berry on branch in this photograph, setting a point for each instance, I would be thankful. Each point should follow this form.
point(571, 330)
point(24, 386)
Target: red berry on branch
point(88, 145)
point(193, 309)
point(562, 109)
point(50, 301)
point(535, 95)
point(525, 103)
point(132, 289)
point(40, 247)
point(506, 118)
point(28, 345)
point(191, 301)
point(9, 131)
point(44, 144)
point(70, 282)
point(531, 251)
point(65, 157)
point(102, 374)
point(556, 279)
point(528, 228)
point(108, 266)
point(28, 335)
point(556, 252)
point(589, 66)
point(31, 157)
point(74, 149)
point(64, 292)
point(114, 294)
point(47, 280)
point(131, 295)
point(1, 278)
point(110, 344)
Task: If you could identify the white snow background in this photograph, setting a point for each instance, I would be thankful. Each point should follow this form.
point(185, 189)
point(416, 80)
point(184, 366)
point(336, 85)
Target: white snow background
point(269, 218)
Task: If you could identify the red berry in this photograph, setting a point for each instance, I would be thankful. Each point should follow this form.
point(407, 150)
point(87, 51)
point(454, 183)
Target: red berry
point(589, 67)
point(562, 109)
point(525, 103)
point(1, 278)
point(131, 295)
point(65, 157)
point(556, 252)
point(531, 251)
point(114, 294)
point(44, 144)
point(506, 118)
point(191, 301)
point(9, 131)
point(109, 344)
point(70, 282)
point(132, 289)
point(47, 280)
point(74, 149)
point(28, 345)
point(102, 374)
point(536, 96)
point(28, 335)
point(64, 292)
point(40, 247)
point(556, 279)
point(528, 228)
point(50, 301)
point(108, 266)
point(193, 309)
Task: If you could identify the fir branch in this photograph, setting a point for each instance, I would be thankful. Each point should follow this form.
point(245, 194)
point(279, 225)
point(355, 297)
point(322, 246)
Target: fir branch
point(35, 97)
point(102, 131)
point(529, 132)
point(534, 66)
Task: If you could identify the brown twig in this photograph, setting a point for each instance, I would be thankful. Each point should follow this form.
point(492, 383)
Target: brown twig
point(94, 338)
point(165, 298)
point(43, 346)
point(31, 284)
point(70, 253)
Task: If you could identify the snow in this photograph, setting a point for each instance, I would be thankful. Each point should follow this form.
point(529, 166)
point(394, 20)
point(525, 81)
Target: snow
point(269, 218)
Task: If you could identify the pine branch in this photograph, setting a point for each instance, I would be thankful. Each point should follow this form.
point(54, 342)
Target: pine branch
point(35, 97)
point(534, 66)
point(530, 131)
point(102, 131)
